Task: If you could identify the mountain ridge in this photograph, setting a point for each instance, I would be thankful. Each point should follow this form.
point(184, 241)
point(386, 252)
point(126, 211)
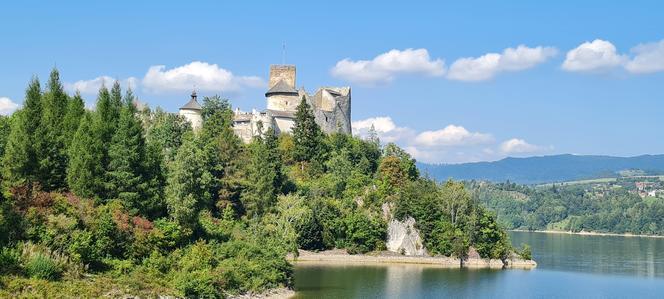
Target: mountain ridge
point(546, 169)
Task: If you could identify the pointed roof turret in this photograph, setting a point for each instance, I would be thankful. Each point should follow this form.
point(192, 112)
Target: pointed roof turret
point(193, 103)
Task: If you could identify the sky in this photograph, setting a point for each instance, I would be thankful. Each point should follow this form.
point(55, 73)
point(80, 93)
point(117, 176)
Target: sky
point(449, 81)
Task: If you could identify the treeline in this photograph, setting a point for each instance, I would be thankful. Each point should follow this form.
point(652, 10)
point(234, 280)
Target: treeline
point(144, 204)
point(581, 207)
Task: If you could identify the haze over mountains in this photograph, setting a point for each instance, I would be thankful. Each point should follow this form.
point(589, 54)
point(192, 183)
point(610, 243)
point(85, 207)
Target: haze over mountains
point(546, 169)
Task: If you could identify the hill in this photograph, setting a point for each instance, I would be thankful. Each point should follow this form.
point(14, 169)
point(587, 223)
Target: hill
point(546, 169)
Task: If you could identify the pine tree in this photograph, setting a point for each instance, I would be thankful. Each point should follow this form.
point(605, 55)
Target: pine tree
point(51, 151)
point(265, 175)
point(19, 162)
point(184, 191)
point(106, 120)
point(85, 173)
point(75, 111)
point(126, 157)
point(307, 135)
point(5, 128)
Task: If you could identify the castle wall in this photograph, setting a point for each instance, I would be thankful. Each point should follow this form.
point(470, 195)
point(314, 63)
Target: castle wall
point(282, 102)
point(282, 72)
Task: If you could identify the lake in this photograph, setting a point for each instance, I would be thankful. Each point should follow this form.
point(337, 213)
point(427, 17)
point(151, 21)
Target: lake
point(568, 266)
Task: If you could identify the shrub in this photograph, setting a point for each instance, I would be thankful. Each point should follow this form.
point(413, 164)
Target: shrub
point(43, 267)
point(364, 234)
point(10, 260)
point(198, 284)
point(525, 252)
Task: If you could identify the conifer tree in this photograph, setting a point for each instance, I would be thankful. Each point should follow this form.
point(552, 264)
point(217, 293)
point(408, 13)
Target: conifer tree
point(85, 173)
point(5, 127)
point(184, 189)
point(50, 143)
point(265, 175)
point(126, 157)
point(19, 162)
point(307, 135)
point(75, 111)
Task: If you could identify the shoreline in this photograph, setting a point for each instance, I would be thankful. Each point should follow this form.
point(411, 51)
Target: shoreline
point(585, 233)
point(340, 257)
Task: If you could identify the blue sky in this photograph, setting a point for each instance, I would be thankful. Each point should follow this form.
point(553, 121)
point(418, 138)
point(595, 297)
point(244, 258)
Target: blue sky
point(449, 81)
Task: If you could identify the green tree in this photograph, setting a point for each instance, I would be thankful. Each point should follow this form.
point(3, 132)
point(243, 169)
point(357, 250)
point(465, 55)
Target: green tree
point(85, 173)
point(127, 157)
point(5, 128)
point(51, 148)
point(184, 191)
point(265, 175)
point(307, 135)
point(75, 111)
point(19, 162)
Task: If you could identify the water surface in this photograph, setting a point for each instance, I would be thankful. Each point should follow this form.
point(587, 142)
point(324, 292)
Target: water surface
point(568, 266)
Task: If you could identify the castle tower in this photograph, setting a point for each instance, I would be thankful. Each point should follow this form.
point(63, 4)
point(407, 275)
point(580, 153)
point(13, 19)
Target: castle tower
point(282, 95)
point(192, 112)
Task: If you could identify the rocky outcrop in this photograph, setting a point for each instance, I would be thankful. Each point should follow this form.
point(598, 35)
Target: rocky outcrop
point(402, 236)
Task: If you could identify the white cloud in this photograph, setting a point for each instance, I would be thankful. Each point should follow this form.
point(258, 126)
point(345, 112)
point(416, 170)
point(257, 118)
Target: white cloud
point(385, 67)
point(385, 127)
point(7, 106)
point(593, 56)
point(451, 136)
point(92, 86)
point(201, 75)
point(519, 146)
point(488, 65)
point(648, 58)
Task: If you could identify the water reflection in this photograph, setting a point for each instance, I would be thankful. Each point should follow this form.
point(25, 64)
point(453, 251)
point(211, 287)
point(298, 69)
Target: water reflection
point(596, 254)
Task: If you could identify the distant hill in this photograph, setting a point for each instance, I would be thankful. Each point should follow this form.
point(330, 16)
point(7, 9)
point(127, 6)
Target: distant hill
point(545, 169)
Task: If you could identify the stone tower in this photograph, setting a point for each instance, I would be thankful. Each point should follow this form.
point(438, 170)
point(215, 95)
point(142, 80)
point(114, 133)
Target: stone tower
point(281, 94)
point(192, 112)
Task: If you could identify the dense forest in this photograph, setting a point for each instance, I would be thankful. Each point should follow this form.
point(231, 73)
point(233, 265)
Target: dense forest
point(121, 201)
point(610, 207)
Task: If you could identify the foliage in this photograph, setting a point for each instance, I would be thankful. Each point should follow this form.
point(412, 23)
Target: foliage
point(150, 207)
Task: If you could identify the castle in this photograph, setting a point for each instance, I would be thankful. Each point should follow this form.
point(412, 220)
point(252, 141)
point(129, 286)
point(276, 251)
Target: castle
point(330, 105)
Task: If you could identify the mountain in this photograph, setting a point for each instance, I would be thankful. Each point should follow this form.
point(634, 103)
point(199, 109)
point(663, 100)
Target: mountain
point(545, 169)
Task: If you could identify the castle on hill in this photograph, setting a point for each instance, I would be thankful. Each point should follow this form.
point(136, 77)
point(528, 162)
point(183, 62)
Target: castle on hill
point(330, 105)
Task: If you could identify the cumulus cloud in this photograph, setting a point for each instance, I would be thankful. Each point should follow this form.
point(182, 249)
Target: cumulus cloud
point(385, 127)
point(648, 58)
point(7, 106)
point(519, 146)
point(385, 67)
point(488, 65)
point(201, 75)
point(451, 144)
point(593, 56)
point(92, 86)
point(451, 136)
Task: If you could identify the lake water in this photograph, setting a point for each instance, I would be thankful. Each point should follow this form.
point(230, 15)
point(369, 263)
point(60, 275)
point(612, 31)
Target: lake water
point(569, 266)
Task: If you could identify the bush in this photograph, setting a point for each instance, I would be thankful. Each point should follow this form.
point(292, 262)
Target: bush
point(364, 234)
point(525, 252)
point(10, 260)
point(43, 267)
point(198, 284)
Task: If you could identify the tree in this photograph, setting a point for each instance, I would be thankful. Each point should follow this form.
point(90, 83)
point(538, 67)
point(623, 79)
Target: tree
point(307, 135)
point(373, 135)
point(20, 163)
point(265, 175)
point(51, 151)
point(75, 111)
point(127, 157)
point(5, 128)
point(85, 173)
point(184, 191)
point(407, 163)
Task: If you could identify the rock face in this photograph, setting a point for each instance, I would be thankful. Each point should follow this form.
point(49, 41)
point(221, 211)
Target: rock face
point(404, 238)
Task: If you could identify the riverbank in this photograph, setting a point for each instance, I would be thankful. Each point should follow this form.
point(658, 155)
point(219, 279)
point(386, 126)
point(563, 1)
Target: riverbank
point(585, 233)
point(341, 257)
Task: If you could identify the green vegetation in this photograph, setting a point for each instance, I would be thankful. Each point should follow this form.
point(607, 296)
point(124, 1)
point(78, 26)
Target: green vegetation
point(118, 201)
point(613, 206)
